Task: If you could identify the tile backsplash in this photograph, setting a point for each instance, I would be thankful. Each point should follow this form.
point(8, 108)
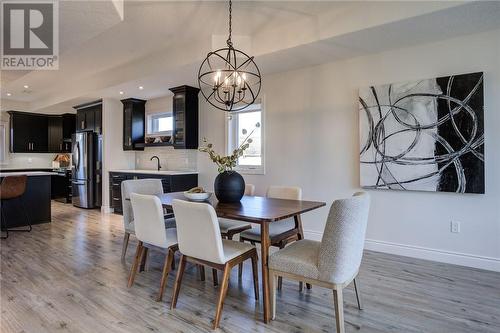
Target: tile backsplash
point(170, 159)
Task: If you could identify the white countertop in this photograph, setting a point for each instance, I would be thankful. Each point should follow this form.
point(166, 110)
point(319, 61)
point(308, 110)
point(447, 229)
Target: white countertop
point(155, 172)
point(28, 173)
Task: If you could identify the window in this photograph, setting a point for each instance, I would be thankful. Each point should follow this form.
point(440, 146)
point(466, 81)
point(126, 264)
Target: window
point(242, 125)
point(160, 124)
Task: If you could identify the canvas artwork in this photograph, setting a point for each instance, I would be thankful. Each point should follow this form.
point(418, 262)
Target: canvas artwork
point(425, 135)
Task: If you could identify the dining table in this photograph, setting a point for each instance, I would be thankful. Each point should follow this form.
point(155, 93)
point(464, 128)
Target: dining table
point(262, 211)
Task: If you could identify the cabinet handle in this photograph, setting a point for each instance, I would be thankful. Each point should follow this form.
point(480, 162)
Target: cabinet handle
point(83, 124)
point(60, 146)
point(129, 141)
point(32, 146)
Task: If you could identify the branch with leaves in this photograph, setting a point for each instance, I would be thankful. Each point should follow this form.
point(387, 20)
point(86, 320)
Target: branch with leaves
point(227, 163)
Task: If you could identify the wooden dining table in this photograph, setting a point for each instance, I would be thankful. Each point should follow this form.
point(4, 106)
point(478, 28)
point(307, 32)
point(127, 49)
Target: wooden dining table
point(260, 210)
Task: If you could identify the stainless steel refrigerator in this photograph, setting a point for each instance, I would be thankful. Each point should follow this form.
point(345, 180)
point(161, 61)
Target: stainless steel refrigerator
point(86, 175)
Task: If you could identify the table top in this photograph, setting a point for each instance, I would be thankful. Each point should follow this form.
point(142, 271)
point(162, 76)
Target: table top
point(252, 208)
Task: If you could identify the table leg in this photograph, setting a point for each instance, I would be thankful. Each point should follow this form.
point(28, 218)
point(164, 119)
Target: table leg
point(298, 225)
point(264, 243)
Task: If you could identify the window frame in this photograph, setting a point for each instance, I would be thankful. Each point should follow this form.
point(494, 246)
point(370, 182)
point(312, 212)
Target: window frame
point(149, 123)
point(231, 135)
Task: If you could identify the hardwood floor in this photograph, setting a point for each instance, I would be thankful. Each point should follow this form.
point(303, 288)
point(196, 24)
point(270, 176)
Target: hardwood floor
point(67, 276)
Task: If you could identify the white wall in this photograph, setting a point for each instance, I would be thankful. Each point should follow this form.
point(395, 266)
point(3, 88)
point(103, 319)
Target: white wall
point(312, 142)
point(112, 136)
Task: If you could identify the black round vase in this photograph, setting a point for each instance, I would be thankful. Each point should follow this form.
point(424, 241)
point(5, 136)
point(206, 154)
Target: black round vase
point(229, 186)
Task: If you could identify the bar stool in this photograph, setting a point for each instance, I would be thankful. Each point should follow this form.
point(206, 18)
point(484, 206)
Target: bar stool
point(13, 187)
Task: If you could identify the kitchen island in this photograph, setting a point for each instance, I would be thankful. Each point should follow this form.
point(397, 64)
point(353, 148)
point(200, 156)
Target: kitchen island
point(36, 199)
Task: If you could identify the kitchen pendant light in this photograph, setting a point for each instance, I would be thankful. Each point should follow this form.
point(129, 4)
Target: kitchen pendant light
point(228, 78)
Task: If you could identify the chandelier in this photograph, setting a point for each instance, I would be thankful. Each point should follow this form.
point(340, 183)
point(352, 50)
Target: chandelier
point(228, 78)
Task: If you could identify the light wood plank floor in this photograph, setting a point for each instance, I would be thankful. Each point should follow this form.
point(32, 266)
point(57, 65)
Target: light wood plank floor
point(67, 277)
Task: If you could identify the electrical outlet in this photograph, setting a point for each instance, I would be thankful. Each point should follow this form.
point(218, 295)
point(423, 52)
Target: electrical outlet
point(455, 227)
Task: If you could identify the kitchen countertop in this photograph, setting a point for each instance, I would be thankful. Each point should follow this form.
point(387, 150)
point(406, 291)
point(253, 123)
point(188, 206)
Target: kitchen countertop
point(155, 172)
point(27, 173)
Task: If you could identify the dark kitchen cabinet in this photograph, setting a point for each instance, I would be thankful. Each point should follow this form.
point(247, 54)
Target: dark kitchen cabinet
point(133, 123)
point(170, 183)
point(185, 114)
point(89, 117)
point(40, 133)
point(29, 132)
point(60, 130)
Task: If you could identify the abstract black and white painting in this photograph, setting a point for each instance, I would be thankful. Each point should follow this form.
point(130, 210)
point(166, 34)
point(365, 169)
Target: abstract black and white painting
point(425, 135)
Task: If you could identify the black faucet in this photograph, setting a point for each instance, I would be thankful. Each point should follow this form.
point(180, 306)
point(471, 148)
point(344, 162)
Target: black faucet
point(158, 160)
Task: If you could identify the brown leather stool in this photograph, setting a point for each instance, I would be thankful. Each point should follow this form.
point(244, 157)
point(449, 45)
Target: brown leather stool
point(13, 187)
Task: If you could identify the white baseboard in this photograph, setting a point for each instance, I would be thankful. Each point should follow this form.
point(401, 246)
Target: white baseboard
point(449, 257)
point(107, 209)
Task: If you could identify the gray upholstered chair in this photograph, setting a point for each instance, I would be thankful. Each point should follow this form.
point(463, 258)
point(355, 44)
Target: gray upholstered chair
point(229, 228)
point(332, 263)
point(139, 186)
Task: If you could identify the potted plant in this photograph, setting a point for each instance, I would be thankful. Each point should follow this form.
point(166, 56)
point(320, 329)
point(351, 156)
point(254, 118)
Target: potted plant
point(229, 185)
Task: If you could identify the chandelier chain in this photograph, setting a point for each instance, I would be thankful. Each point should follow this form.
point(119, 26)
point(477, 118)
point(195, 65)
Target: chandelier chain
point(229, 42)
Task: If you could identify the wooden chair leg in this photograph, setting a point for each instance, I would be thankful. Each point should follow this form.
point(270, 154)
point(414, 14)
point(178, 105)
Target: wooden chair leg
point(201, 271)
point(126, 238)
point(255, 272)
point(135, 264)
point(358, 299)
point(178, 281)
point(240, 266)
point(280, 279)
point(272, 288)
point(339, 309)
point(166, 269)
point(144, 259)
point(308, 286)
point(214, 277)
point(222, 295)
point(301, 286)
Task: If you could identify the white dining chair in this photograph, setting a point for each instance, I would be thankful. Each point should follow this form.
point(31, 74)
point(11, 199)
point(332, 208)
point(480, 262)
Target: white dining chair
point(200, 242)
point(332, 263)
point(140, 186)
point(150, 231)
point(229, 228)
point(282, 232)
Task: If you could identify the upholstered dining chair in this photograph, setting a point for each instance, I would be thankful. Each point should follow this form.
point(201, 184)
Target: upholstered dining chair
point(229, 228)
point(150, 231)
point(282, 232)
point(200, 242)
point(332, 263)
point(140, 186)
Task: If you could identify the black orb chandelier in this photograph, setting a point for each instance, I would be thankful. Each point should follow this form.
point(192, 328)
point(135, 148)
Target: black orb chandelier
point(228, 78)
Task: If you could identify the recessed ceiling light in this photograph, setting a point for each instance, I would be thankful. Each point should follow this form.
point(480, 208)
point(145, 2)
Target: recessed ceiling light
point(121, 92)
point(9, 94)
point(26, 86)
point(141, 87)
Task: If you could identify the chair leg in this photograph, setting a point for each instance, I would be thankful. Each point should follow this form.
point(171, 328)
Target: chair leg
point(4, 223)
point(301, 286)
point(240, 266)
point(214, 277)
point(126, 238)
point(339, 309)
point(201, 271)
point(178, 281)
point(144, 260)
point(255, 272)
point(280, 279)
point(272, 288)
point(166, 269)
point(308, 286)
point(222, 295)
point(358, 299)
point(135, 264)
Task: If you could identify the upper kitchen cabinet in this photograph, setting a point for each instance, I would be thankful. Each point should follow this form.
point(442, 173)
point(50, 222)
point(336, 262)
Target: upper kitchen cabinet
point(89, 117)
point(60, 130)
point(40, 133)
point(29, 132)
point(133, 123)
point(185, 114)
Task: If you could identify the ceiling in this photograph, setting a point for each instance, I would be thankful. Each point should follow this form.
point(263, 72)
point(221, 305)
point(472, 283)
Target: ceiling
point(160, 44)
